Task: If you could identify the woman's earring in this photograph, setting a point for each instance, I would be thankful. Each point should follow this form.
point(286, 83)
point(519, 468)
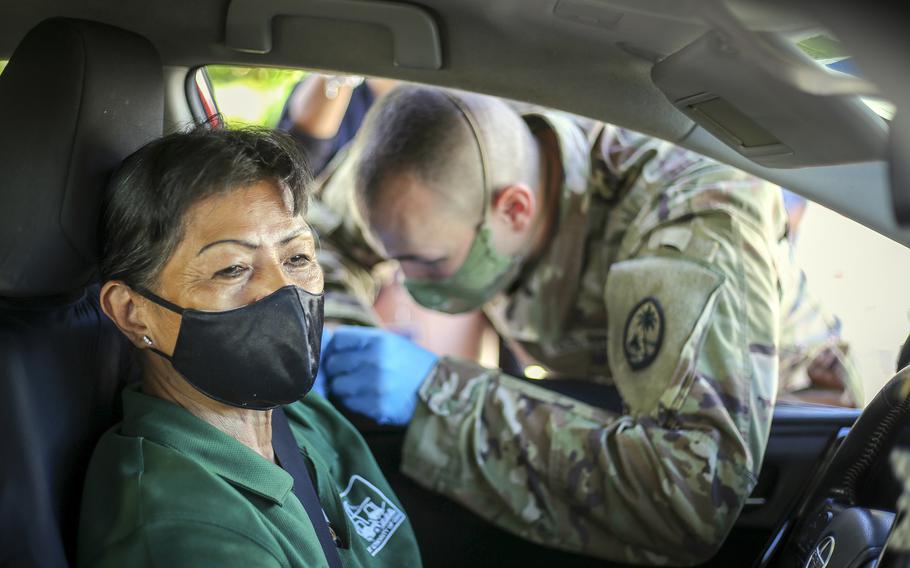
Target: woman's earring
point(147, 339)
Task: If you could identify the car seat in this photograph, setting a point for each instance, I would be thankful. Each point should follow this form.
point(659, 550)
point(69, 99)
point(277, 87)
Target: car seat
point(75, 99)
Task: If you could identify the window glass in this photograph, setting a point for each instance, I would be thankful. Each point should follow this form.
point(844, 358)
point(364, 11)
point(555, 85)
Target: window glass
point(823, 48)
point(828, 51)
point(252, 95)
point(856, 276)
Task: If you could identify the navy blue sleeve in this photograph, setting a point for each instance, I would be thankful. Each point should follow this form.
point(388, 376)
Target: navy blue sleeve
point(320, 151)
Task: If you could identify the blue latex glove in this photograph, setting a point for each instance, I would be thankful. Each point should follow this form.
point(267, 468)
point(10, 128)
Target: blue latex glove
point(376, 373)
point(319, 385)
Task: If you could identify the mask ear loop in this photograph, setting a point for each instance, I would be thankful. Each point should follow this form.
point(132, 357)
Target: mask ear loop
point(155, 299)
point(476, 131)
point(465, 110)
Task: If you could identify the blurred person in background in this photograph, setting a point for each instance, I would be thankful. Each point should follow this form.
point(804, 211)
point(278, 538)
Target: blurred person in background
point(324, 112)
point(815, 365)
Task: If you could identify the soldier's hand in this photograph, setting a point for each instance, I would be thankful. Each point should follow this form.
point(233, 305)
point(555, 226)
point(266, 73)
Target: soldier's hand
point(827, 370)
point(829, 378)
point(375, 372)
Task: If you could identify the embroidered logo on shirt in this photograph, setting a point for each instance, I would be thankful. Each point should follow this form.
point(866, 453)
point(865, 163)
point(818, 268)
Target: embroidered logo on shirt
point(374, 516)
point(644, 333)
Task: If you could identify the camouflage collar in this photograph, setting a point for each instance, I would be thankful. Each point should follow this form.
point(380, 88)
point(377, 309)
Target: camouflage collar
point(558, 270)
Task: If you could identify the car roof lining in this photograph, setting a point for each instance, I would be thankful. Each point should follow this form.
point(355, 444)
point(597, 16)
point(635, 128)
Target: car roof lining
point(580, 66)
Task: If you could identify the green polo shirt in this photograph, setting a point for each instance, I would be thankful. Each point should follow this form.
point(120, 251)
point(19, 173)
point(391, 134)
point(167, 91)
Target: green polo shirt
point(165, 488)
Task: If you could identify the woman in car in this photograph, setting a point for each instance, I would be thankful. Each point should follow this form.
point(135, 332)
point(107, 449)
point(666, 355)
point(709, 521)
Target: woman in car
point(209, 270)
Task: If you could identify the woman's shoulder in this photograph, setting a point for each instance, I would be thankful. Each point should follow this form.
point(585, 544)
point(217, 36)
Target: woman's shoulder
point(138, 490)
point(152, 471)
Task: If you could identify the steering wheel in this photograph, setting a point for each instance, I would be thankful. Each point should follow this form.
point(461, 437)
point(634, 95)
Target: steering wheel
point(831, 528)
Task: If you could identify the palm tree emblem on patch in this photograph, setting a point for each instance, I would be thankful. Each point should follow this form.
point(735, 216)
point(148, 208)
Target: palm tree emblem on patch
point(644, 333)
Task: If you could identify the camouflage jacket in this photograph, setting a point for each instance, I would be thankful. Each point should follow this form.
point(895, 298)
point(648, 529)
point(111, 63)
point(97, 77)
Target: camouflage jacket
point(661, 280)
point(349, 264)
point(605, 193)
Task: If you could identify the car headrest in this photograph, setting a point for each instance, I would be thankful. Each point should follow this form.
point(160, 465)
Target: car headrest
point(76, 98)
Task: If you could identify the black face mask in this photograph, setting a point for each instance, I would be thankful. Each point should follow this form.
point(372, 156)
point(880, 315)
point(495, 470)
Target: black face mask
point(259, 356)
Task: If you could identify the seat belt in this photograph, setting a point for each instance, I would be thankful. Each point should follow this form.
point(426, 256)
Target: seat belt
point(291, 461)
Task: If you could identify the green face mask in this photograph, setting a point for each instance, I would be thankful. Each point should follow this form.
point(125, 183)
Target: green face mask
point(482, 275)
point(485, 272)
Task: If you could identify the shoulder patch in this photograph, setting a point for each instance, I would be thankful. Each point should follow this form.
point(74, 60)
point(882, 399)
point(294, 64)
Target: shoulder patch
point(644, 333)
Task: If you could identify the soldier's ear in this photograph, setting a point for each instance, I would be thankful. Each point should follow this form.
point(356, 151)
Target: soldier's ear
point(515, 205)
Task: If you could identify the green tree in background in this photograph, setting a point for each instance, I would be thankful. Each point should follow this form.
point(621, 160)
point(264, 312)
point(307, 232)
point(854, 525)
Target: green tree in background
point(252, 95)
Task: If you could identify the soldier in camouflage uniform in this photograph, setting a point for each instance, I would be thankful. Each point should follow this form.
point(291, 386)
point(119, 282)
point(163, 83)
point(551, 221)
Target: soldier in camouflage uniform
point(661, 276)
point(814, 363)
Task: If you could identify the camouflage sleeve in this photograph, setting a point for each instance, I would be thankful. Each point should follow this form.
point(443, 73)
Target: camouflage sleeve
point(807, 329)
point(346, 258)
point(899, 541)
point(692, 344)
point(349, 288)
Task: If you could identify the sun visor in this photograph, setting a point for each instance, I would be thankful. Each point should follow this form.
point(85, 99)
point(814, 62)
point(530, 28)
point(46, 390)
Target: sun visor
point(770, 102)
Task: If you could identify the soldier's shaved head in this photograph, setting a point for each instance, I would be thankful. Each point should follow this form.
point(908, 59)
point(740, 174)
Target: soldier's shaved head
point(422, 188)
point(423, 133)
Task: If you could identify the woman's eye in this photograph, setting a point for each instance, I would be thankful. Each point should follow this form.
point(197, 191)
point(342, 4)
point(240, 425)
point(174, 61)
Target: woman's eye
point(232, 271)
point(300, 260)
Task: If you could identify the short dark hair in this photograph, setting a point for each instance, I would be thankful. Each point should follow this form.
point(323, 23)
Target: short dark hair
point(143, 208)
point(419, 130)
